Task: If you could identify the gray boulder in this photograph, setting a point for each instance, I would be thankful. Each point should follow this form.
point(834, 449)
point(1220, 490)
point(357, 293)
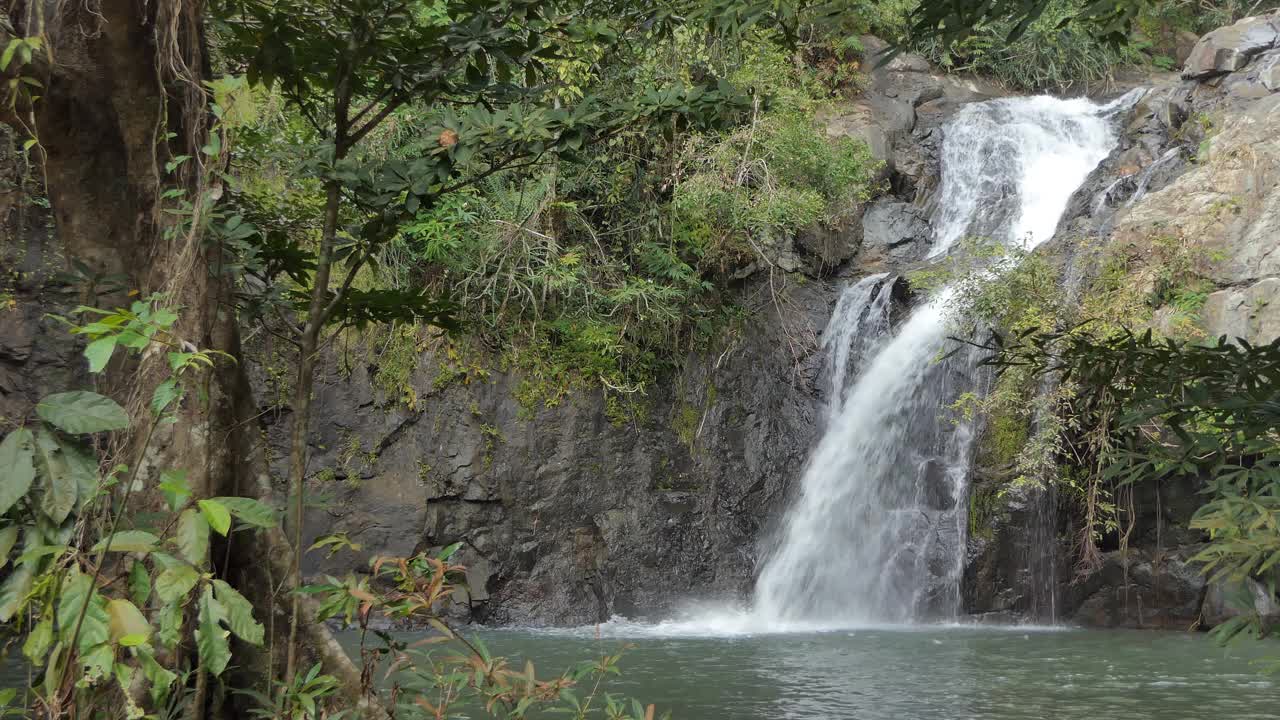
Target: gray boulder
point(1269, 70)
point(1230, 48)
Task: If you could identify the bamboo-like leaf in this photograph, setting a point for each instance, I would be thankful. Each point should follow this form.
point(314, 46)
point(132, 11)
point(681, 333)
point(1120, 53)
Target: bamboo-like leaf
point(17, 467)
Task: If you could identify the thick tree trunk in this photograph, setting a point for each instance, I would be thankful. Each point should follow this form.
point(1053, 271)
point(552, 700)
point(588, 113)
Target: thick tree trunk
point(124, 75)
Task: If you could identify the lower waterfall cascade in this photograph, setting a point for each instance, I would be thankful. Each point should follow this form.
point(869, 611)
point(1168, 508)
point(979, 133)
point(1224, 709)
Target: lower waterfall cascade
point(877, 532)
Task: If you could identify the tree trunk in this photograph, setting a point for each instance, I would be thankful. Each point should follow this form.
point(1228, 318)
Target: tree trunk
point(124, 75)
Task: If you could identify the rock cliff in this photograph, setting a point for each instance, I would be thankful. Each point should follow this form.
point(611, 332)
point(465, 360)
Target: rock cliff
point(1188, 209)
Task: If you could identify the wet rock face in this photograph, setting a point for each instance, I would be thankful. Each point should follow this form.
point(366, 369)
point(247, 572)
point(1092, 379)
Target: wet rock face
point(37, 356)
point(1143, 589)
point(895, 231)
point(573, 514)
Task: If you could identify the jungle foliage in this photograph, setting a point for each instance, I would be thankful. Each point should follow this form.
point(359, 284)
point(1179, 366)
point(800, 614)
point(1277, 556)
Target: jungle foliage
point(575, 181)
point(1152, 410)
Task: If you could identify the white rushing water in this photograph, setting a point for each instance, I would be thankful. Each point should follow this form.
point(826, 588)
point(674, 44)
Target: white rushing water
point(877, 532)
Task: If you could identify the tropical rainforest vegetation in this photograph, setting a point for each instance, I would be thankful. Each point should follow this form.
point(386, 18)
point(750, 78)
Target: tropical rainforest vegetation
point(574, 183)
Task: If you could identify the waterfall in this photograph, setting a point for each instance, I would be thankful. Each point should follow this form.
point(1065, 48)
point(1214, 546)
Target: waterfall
point(877, 533)
point(858, 322)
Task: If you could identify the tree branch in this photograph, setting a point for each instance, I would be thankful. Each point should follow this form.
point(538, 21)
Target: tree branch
point(358, 134)
point(342, 290)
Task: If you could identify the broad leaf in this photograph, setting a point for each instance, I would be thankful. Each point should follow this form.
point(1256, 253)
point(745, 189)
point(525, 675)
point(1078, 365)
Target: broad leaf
point(174, 583)
point(250, 511)
point(139, 583)
point(161, 678)
point(8, 538)
point(192, 537)
point(81, 411)
point(215, 513)
point(96, 662)
point(239, 613)
point(17, 467)
point(174, 487)
point(125, 619)
point(99, 352)
point(39, 640)
point(164, 395)
point(60, 488)
point(128, 541)
point(13, 592)
point(83, 468)
point(211, 639)
point(170, 632)
point(80, 596)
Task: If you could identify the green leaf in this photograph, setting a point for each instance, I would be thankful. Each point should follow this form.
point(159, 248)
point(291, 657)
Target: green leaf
point(53, 669)
point(97, 662)
point(39, 640)
point(139, 583)
point(128, 541)
point(165, 393)
point(125, 620)
point(60, 489)
point(161, 678)
point(99, 352)
point(215, 513)
point(192, 537)
point(8, 538)
point(211, 639)
point(133, 640)
point(239, 613)
point(170, 633)
point(79, 595)
point(17, 467)
point(81, 411)
point(174, 487)
point(9, 50)
point(83, 468)
point(32, 553)
point(174, 583)
point(250, 511)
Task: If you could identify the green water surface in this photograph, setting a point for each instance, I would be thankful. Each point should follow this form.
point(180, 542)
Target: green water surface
point(928, 673)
